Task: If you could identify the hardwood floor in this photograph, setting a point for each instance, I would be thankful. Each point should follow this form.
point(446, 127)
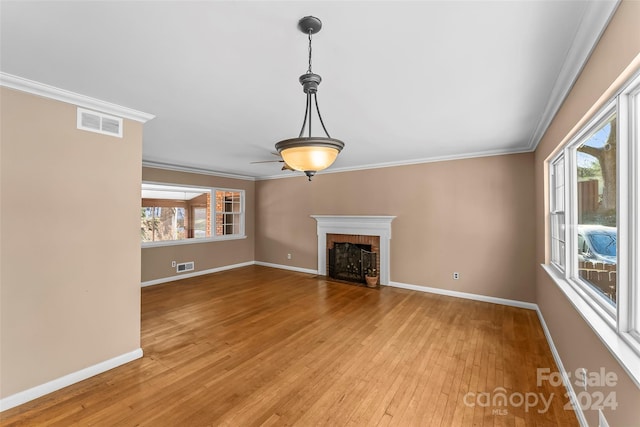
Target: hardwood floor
point(261, 346)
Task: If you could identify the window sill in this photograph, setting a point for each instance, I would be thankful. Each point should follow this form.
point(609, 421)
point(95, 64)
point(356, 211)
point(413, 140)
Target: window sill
point(191, 241)
point(622, 345)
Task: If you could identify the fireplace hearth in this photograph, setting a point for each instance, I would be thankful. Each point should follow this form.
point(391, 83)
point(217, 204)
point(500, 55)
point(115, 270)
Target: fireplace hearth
point(351, 261)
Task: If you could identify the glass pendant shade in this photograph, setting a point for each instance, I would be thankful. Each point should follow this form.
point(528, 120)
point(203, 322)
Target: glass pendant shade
point(309, 154)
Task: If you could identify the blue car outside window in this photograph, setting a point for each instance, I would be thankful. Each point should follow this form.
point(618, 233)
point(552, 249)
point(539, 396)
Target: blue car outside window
point(603, 243)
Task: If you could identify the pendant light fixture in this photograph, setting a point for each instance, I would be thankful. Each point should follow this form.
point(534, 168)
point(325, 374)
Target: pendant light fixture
point(310, 154)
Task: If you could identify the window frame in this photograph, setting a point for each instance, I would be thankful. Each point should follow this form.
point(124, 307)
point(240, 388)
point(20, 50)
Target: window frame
point(571, 220)
point(618, 327)
point(557, 167)
point(241, 213)
point(631, 131)
point(212, 213)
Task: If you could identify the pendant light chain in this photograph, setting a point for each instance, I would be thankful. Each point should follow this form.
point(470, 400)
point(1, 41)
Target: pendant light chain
point(309, 69)
point(307, 110)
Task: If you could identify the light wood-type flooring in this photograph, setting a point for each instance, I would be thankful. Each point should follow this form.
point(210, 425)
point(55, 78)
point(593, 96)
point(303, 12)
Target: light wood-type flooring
point(262, 346)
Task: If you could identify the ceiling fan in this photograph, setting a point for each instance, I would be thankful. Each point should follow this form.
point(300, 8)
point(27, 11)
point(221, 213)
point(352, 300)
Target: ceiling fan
point(285, 166)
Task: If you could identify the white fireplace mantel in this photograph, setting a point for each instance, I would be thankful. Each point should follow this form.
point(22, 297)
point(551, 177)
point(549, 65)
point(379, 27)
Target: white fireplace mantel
point(366, 225)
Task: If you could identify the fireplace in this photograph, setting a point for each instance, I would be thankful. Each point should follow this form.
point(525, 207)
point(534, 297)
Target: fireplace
point(349, 260)
point(358, 230)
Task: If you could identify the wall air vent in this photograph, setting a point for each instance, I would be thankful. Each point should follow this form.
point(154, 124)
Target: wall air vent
point(94, 121)
point(185, 266)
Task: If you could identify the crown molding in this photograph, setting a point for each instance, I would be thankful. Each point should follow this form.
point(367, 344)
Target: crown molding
point(594, 22)
point(406, 163)
point(51, 92)
point(203, 171)
point(190, 169)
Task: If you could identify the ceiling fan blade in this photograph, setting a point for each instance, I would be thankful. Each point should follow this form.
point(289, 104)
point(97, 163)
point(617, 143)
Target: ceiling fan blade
point(268, 161)
point(285, 166)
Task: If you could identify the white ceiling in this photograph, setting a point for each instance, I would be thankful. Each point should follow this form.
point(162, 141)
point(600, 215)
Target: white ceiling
point(403, 81)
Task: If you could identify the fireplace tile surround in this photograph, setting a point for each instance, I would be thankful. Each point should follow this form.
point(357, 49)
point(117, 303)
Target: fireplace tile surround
point(355, 225)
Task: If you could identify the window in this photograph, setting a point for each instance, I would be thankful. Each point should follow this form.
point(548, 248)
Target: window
point(596, 207)
point(594, 231)
point(557, 214)
point(172, 214)
point(201, 224)
point(229, 213)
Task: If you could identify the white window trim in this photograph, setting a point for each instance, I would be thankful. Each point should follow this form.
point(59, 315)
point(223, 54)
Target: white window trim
point(194, 241)
point(630, 314)
point(617, 328)
point(553, 179)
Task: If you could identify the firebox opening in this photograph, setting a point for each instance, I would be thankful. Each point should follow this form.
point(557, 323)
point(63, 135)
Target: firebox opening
point(351, 261)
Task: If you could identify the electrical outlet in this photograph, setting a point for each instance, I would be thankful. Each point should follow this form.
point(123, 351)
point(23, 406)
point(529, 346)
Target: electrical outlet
point(288, 256)
point(456, 275)
point(173, 264)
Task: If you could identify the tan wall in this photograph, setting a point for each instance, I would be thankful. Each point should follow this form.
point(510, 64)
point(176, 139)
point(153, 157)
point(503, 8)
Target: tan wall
point(472, 216)
point(577, 344)
point(70, 254)
point(156, 262)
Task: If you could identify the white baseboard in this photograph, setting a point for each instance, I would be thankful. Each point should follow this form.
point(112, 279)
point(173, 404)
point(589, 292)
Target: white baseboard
point(565, 378)
point(72, 378)
point(287, 267)
point(226, 267)
point(465, 295)
point(196, 273)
